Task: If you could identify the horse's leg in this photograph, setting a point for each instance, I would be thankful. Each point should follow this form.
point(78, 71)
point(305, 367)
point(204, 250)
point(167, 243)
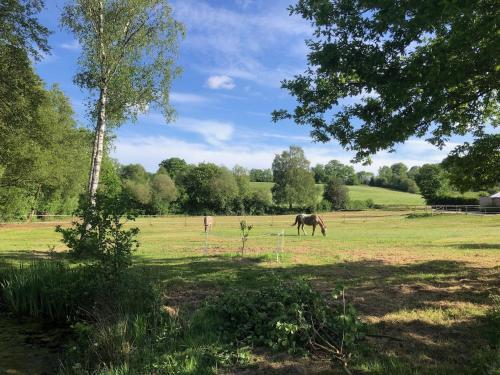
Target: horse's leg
point(298, 229)
point(314, 228)
point(303, 231)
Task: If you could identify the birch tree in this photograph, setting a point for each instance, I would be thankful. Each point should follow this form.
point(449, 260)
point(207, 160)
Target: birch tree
point(127, 62)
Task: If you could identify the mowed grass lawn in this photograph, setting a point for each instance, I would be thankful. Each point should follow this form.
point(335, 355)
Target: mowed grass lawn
point(422, 285)
point(363, 192)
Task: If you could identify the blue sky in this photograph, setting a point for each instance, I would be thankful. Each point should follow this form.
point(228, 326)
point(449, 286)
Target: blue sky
point(234, 56)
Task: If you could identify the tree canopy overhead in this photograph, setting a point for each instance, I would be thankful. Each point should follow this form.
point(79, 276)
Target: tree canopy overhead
point(414, 68)
point(19, 26)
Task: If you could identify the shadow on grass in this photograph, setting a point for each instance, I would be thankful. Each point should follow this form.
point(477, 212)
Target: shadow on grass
point(28, 256)
point(432, 310)
point(478, 246)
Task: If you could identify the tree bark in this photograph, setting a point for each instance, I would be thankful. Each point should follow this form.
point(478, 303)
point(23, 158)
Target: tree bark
point(98, 148)
point(98, 145)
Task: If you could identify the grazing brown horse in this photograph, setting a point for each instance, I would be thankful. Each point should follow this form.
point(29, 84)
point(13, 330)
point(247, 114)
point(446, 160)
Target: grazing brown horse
point(208, 221)
point(302, 219)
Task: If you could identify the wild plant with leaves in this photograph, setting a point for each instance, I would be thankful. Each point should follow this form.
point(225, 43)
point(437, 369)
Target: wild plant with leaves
point(245, 232)
point(99, 234)
point(290, 316)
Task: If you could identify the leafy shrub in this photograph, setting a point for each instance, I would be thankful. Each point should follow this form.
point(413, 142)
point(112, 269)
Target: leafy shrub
point(258, 202)
point(336, 193)
point(150, 341)
point(288, 316)
point(324, 205)
point(452, 200)
point(358, 205)
point(99, 233)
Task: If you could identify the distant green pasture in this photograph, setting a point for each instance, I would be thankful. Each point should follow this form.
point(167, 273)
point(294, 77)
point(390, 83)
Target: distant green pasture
point(379, 195)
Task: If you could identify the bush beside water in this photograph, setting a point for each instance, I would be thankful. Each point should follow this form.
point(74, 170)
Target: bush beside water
point(122, 327)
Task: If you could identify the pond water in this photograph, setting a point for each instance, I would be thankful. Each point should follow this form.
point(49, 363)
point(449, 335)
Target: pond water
point(28, 347)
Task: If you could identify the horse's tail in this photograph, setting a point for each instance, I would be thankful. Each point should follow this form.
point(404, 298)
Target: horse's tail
point(296, 220)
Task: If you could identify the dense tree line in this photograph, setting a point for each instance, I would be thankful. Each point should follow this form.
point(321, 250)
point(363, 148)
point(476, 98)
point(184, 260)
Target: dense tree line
point(42, 151)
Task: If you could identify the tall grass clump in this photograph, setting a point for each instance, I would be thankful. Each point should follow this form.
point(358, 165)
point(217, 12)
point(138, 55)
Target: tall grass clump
point(49, 290)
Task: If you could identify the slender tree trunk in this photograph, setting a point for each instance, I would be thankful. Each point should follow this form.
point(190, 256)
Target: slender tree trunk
point(98, 145)
point(33, 208)
point(92, 160)
point(100, 130)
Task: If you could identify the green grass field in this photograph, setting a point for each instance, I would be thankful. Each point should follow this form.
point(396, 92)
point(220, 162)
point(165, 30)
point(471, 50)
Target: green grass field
point(422, 285)
point(379, 195)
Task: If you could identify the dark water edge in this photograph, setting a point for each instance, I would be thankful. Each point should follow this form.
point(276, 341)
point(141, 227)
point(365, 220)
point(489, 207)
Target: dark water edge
point(29, 347)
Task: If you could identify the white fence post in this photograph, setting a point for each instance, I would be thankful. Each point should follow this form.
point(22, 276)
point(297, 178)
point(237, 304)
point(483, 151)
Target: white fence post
point(280, 238)
point(205, 251)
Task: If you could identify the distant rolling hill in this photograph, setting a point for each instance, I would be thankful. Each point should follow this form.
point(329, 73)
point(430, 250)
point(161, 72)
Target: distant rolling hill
point(362, 192)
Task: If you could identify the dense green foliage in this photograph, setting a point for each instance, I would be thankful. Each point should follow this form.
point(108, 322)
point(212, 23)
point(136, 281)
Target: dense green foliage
point(293, 182)
point(397, 177)
point(289, 316)
point(44, 160)
point(210, 188)
point(20, 29)
point(175, 167)
point(364, 177)
point(432, 181)
point(335, 169)
point(99, 233)
point(475, 166)
point(336, 193)
point(261, 175)
point(42, 152)
point(413, 69)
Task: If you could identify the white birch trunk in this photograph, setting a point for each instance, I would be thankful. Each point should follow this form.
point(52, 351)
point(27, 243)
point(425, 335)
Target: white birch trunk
point(98, 145)
point(98, 148)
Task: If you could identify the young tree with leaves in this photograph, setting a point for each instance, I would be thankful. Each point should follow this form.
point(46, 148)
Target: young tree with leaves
point(293, 182)
point(336, 193)
point(432, 182)
point(127, 62)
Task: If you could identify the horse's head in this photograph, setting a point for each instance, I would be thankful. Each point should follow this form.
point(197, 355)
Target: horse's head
point(323, 230)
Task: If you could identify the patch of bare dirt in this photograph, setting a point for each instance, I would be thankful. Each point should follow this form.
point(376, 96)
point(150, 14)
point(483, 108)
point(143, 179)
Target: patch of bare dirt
point(285, 364)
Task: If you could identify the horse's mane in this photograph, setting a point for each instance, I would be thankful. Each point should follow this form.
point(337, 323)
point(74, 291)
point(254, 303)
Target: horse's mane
point(321, 221)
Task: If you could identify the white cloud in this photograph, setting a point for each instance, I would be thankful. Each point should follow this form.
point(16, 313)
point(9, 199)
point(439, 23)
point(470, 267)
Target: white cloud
point(71, 46)
point(186, 98)
point(213, 132)
point(257, 154)
point(220, 82)
point(131, 150)
point(245, 45)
